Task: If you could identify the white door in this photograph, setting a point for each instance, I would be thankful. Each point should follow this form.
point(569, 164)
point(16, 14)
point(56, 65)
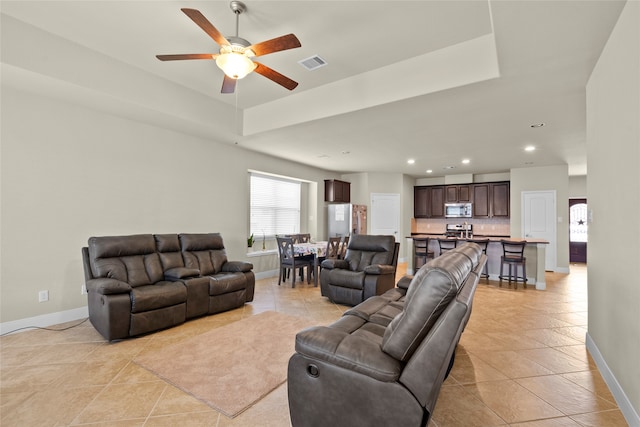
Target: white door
point(385, 214)
point(539, 221)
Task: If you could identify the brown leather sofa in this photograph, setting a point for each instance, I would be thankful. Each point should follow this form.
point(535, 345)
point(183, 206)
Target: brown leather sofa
point(383, 362)
point(142, 283)
point(368, 269)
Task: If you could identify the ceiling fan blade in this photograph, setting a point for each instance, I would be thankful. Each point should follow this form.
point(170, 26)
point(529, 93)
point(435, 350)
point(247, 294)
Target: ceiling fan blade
point(272, 74)
point(275, 45)
point(228, 85)
point(181, 56)
point(207, 26)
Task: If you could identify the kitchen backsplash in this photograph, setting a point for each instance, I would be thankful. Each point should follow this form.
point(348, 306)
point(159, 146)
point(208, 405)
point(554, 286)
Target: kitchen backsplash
point(486, 226)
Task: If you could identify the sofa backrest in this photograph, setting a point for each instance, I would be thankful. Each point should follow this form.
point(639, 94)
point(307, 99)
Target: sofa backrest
point(132, 259)
point(365, 250)
point(432, 289)
point(168, 247)
point(205, 252)
point(472, 250)
point(426, 370)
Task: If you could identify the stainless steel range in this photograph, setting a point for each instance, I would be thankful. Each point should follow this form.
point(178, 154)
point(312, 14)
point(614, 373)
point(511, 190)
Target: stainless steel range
point(464, 231)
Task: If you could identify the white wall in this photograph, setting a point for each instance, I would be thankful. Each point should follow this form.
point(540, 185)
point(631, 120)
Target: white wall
point(69, 172)
point(578, 186)
point(537, 179)
point(613, 155)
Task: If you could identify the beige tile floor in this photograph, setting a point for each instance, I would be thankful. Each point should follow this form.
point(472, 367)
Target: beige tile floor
point(521, 362)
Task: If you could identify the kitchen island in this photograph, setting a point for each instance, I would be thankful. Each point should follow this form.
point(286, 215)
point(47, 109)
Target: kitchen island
point(534, 253)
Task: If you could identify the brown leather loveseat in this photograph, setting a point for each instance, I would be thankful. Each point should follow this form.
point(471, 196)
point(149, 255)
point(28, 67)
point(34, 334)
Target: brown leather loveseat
point(142, 283)
point(383, 362)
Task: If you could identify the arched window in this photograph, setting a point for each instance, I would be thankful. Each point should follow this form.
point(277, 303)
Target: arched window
point(578, 222)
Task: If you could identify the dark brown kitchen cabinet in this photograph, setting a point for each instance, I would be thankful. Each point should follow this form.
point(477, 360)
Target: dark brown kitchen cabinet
point(437, 202)
point(421, 201)
point(500, 199)
point(428, 202)
point(481, 201)
point(337, 191)
point(457, 193)
point(491, 200)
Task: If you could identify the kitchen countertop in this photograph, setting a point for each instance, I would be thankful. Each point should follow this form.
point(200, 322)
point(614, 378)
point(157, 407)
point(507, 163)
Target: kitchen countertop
point(492, 238)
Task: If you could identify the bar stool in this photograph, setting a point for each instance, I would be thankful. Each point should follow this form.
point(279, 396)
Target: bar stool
point(513, 256)
point(483, 243)
point(421, 252)
point(447, 244)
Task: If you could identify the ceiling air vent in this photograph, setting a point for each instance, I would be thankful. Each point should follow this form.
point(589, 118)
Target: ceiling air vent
point(313, 63)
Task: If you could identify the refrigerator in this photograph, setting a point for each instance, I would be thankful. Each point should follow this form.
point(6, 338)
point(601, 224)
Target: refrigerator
point(345, 219)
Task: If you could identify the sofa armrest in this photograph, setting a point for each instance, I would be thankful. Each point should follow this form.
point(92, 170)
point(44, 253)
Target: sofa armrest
point(106, 286)
point(179, 273)
point(351, 352)
point(404, 282)
point(379, 269)
point(332, 263)
point(237, 267)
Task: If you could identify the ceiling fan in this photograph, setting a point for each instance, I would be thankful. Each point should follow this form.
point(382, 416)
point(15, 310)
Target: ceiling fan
point(235, 57)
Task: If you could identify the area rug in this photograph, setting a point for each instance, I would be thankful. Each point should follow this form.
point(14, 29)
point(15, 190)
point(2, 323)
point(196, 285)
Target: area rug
point(232, 367)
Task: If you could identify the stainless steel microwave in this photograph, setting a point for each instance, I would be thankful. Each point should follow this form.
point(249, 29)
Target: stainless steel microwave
point(458, 210)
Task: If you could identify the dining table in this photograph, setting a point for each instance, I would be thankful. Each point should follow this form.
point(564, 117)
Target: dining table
point(317, 249)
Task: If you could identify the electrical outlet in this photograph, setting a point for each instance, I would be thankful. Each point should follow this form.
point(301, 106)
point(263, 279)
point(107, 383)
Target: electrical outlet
point(43, 296)
point(83, 290)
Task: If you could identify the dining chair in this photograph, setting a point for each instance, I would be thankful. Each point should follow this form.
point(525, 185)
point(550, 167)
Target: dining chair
point(421, 252)
point(343, 247)
point(290, 262)
point(513, 256)
point(304, 238)
point(332, 252)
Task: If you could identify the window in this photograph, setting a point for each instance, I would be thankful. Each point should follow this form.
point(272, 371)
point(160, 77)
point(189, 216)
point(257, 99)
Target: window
point(274, 206)
point(578, 223)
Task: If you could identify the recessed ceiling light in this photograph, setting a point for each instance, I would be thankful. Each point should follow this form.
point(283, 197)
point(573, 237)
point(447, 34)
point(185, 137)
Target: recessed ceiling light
point(466, 161)
point(429, 171)
point(529, 148)
point(537, 125)
point(411, 161)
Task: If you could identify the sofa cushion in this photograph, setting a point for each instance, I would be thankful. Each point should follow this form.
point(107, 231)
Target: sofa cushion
point(168, 246)
point(347, 278)
point(429, 293)
point(160, 295)
point(365, 250)
point(130, 259)
point(223, 283)
point(205, 252)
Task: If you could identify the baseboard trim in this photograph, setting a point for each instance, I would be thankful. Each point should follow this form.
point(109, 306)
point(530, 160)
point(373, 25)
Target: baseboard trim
point(266, 274)
point(628, 411)
point(44, 320)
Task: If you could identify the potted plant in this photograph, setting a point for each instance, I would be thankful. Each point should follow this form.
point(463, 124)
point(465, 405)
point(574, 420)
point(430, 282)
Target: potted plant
point(250, 241)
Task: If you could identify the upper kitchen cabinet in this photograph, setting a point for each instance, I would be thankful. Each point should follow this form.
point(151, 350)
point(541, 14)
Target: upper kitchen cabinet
point(337, 191)
point(491, 200)
point(500, 199)
point(458, 193)
point(428, 202)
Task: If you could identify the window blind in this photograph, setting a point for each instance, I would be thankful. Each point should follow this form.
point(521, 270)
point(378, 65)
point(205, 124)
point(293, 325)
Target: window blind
point(275, 206)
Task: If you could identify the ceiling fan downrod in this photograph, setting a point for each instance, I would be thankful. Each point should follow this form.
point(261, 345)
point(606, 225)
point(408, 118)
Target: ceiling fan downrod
point(237, 7)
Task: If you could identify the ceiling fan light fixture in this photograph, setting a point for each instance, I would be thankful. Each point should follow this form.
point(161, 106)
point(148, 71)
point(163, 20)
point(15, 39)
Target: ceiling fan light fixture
point(235, 65)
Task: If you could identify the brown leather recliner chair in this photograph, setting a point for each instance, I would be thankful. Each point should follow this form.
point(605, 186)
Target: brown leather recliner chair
point(368, 269)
